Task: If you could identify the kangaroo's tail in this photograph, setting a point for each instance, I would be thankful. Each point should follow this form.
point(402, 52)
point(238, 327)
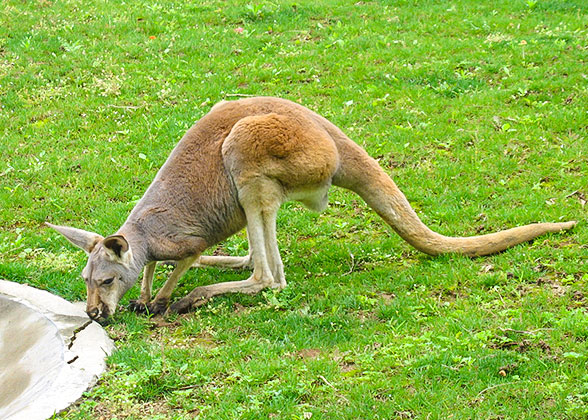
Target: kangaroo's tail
point(363, 175)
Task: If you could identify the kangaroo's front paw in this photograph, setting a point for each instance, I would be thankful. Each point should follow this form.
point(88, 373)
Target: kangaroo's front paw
point(157, 307)
point(138, 306)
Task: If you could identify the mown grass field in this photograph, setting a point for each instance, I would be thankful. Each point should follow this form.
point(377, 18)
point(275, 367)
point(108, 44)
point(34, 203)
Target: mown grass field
point(477, 109)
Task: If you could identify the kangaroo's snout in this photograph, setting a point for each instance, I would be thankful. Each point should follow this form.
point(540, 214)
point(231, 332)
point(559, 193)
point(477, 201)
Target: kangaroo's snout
point(93, 313)
point(98, 315)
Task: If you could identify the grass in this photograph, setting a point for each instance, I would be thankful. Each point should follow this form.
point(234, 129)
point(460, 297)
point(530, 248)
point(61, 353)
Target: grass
point(477, 109)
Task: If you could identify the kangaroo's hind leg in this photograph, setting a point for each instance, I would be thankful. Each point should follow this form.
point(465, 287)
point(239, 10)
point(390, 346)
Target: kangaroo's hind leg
point(223, 261)
point(261, 201)
point(273, 252)
point(226, 261)
point(262, 277)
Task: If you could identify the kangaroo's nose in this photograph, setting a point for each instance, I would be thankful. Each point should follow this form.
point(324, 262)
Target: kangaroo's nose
point(93, 313)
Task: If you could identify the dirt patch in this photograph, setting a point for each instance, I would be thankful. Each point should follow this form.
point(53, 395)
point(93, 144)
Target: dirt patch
point(578, 296)
point(143, 410)
point(386, 296)
point(204, 339)
point(346, 365)
point(240, 309)
point(366, 315)
point(152, 408)
point(311, 354)
point(522, 345)
point(507, 369)
point(556, 288)
point(103, 412)
point(160, 322)
point(349, 368)
point(165, 333)
point(444, 294)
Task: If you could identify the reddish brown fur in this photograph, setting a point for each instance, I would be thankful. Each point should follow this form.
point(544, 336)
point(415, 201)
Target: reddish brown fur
point(236, 166)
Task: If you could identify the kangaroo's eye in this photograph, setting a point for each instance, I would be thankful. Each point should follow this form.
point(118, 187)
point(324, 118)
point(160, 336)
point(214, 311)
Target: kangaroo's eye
point(108, 281)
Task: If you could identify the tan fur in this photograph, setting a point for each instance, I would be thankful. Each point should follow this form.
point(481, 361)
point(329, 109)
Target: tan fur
point(235, 167)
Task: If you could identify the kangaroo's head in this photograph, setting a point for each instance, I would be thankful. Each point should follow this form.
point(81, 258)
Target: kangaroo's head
point(110, 270)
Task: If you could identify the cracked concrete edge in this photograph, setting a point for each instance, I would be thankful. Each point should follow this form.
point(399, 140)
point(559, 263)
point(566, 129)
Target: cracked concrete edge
point(86, 347)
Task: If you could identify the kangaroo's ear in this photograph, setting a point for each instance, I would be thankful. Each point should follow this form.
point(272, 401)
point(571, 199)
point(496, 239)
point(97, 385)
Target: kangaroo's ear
point(80, 238)
point(117, 245)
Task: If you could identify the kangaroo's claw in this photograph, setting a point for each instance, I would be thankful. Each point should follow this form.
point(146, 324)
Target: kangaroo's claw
point(157, 307)
point(138, 306)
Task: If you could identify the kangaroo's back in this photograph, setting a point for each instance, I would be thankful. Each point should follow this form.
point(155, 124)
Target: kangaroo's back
point(192, 194)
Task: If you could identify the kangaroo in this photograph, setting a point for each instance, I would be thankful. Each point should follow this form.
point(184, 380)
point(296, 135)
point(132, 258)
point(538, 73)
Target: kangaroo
point(233, 169)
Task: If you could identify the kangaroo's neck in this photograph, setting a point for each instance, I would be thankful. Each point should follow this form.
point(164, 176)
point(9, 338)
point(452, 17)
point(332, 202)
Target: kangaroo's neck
point(138, 247)
point(191, 204)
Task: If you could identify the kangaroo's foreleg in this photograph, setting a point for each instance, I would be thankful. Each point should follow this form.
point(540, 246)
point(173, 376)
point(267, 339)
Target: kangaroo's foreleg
point(261, 204)
point(161, 301)
point(140, 304)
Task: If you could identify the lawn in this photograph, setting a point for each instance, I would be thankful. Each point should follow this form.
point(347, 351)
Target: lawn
point(477, 109)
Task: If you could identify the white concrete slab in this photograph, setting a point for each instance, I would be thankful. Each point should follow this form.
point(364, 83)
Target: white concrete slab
point(50, 352)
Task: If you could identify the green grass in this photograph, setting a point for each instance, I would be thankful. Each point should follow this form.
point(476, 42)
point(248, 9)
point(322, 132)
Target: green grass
point(478, 111)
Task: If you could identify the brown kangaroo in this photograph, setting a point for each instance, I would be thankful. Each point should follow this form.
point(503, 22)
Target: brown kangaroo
point(234, 168)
